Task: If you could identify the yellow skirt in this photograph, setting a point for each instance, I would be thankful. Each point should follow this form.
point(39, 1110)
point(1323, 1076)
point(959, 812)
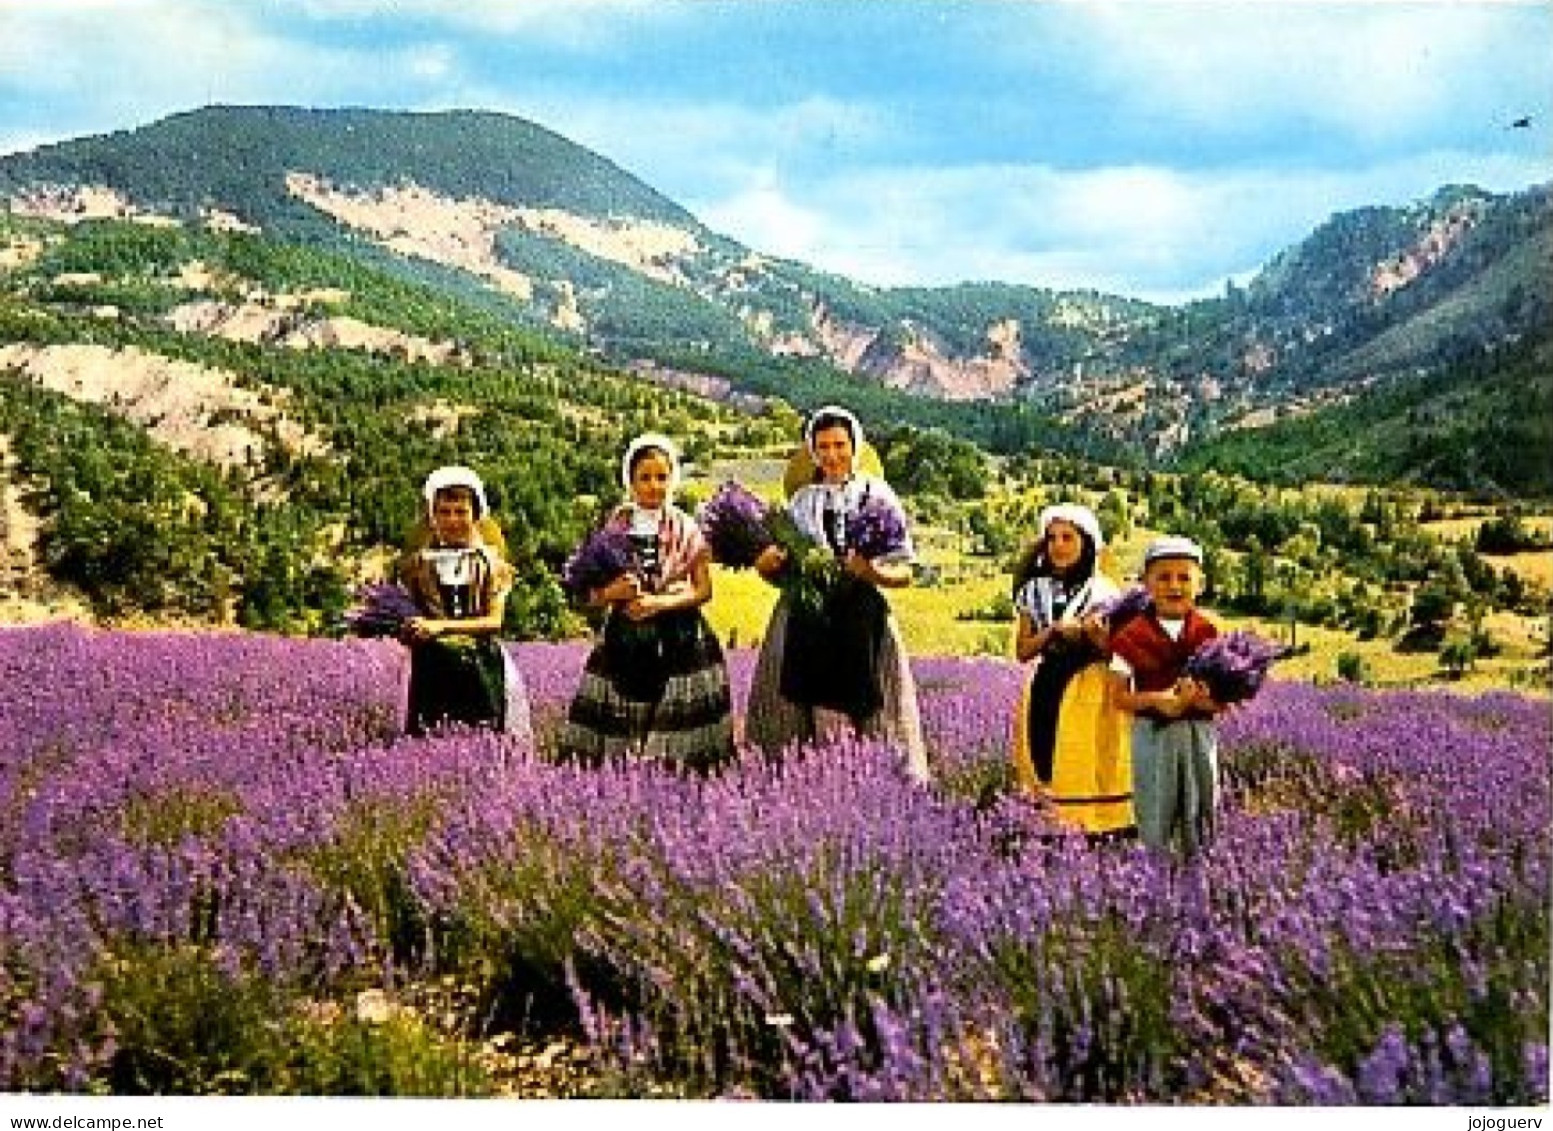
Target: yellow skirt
point(1091, 786)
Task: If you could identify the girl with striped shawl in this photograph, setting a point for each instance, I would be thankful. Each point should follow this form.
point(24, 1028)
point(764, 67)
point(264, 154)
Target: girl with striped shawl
point(1072, 744)
point(655, 687)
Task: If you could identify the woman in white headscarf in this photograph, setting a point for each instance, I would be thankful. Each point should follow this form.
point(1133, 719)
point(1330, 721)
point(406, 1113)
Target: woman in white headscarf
point(1071, 744)
point(655, 687)
point(841, 669)
point(457, 576)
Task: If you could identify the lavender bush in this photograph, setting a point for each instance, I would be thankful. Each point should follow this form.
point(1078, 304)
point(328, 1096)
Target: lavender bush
point(200, 831)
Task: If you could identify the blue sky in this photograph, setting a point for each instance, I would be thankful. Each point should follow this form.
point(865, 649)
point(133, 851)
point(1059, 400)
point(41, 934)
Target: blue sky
point(1145, 148)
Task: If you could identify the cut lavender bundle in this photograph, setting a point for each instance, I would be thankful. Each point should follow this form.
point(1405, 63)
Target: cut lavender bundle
point(876, 529)
point(1233, 665)
point(603, 556)
point(1124, 606)
point(381, 610)
point(737, 526)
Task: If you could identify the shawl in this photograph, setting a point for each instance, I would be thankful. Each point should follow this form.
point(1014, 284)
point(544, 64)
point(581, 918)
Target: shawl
point(680, 542)
point(455, 582)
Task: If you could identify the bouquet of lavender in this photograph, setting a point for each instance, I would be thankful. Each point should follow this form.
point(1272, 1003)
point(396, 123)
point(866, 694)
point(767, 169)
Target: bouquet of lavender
point(1233, 665)
point(1120, 609)
point(603, 556)
point(380, 610)
point(737, 526)
point(873, 529)
point(876, 528)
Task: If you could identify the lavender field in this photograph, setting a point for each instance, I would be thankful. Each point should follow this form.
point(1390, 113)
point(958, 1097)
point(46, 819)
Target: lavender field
point(221, 871)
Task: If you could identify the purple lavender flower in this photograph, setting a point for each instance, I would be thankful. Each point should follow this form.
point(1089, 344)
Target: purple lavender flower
point(736, 525)
point(603, 556)
point(235, 798)
point(1233, 665)
point(876, 528)
point(381, 610)
point(1124, 606)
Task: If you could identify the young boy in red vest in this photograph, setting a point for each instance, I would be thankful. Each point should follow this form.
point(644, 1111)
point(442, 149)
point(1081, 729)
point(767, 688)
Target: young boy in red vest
point(1175, 770)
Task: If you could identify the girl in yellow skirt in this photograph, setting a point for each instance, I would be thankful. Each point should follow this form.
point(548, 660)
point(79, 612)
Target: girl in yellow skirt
point(1072, 744)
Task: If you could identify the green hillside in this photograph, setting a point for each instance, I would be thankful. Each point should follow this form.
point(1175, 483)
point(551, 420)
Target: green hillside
point(137, 525)
point(1483, 427)
point(1375, 293)
point(238, 157)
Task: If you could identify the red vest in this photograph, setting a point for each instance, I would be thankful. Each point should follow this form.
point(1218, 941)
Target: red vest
point(1157, 661)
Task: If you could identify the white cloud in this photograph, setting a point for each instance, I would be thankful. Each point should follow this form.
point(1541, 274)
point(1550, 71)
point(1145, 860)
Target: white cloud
point(786, 227)
point(435, 62)
point(1146, 232)
point(156, 57)
point(1369, 70)
point(691, 150)
point(583, 25)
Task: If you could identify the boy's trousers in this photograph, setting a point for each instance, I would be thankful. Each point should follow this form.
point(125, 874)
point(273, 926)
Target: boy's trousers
point(1175, 781)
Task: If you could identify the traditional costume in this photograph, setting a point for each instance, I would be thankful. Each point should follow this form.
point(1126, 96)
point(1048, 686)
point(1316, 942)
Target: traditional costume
point(654, 689)
point(1175, 760)
point(1071, 743)
point(843, 668)
point(465, 679)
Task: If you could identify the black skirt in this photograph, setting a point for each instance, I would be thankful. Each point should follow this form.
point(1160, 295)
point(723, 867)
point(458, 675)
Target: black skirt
point(832, 656)
point(653, 690)
point(459, 680)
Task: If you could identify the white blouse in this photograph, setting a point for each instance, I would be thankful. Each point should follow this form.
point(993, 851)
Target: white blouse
point(1040, 597)
point(809, 504)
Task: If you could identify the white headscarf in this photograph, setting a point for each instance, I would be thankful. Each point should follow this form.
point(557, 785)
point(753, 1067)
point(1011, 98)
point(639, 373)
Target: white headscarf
point(1074, 515)
point(832, 410)
point(1041, 597)
point(453, 476)
point(651, 440)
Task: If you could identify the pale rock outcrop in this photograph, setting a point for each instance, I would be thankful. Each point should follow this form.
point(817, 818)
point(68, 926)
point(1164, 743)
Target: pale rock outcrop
point(177, 402)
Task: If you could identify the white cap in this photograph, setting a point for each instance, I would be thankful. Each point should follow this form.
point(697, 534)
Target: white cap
point(454, 476)
point(1172, 546)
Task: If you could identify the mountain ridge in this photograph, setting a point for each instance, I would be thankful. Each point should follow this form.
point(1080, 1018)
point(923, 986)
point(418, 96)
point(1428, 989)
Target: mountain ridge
point(559, 239)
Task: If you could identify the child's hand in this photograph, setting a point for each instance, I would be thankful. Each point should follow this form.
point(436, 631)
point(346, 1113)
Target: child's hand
point(626, 587)
point(1206, 701)
point(418, 630)
point(643, 607)
point(860, 567)
point(770, 561)
point(1097, 631)
point(1195, 696)
point(1069, 631)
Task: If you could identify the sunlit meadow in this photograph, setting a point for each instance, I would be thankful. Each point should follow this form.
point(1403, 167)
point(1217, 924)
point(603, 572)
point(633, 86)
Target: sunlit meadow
point(221, 870)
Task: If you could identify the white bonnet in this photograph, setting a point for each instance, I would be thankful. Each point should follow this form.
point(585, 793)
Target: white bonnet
point(454, 476)
point(650, 440)
point(1075, 515)
point(832, 410)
